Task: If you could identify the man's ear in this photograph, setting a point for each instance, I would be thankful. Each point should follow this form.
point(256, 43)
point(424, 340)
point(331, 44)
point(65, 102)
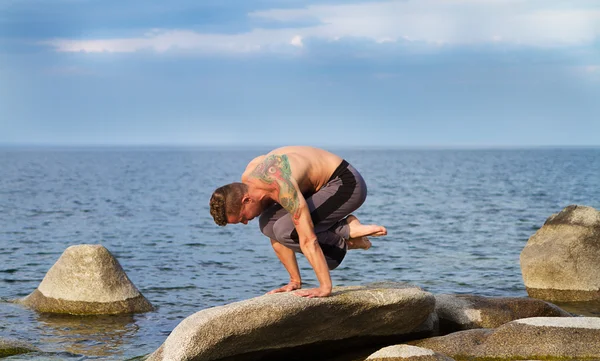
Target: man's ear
point(246, 199)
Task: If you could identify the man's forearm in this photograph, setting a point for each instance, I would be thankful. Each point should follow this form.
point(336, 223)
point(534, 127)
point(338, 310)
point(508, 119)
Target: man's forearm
point(316, 258)
point(288, 258)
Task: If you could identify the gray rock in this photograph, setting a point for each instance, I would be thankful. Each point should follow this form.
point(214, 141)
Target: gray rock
point(279, 321)
point(465, 312)
point(407, 353)
point(561, 261)
point(528, 338)
point(86, 280)
point(428, 328)
point(14, 347)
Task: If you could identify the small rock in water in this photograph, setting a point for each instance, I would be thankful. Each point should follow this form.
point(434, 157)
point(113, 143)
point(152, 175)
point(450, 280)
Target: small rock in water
point(14, 347)
point(87, 280)
point(561, 261)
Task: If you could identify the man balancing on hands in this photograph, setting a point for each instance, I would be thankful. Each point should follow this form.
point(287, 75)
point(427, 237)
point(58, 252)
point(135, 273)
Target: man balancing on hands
point(304, 197)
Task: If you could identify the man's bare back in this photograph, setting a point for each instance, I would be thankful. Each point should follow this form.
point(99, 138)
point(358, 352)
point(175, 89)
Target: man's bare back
point(311, 167)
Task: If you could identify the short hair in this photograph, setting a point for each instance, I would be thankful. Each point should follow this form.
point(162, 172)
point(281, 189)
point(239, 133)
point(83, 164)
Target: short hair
point(227, 200)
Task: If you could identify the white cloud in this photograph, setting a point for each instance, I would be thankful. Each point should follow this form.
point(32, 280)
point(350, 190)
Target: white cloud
point(297, 41)
point(540, 23)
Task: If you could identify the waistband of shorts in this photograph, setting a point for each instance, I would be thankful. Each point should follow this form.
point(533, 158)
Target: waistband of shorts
point(339, 170)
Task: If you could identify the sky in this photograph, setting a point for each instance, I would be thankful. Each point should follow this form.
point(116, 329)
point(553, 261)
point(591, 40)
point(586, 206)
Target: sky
point(441, 73)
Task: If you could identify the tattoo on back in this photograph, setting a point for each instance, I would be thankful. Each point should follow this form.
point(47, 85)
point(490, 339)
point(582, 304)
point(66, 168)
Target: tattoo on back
point(275, 170)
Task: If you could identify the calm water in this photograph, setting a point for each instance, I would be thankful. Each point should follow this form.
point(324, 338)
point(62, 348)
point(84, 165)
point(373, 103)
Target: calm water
point(457, 221)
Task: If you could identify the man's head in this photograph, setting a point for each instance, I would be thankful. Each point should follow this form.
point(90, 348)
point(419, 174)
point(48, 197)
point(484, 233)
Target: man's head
point(232, 203)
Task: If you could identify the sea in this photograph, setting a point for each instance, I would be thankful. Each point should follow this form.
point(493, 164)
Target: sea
point(457, 221)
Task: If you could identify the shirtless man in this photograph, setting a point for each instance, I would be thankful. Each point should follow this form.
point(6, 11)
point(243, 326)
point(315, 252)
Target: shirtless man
point(304, 197)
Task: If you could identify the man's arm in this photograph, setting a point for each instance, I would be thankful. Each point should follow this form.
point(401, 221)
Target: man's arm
point(288, 259)
point(275, 175)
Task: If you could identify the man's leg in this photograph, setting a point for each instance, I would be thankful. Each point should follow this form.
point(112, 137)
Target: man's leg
point(288, 259)
point(328, 207)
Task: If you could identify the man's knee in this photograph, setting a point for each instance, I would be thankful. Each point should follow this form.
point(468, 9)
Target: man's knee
point(282, 230)
point(263, 221)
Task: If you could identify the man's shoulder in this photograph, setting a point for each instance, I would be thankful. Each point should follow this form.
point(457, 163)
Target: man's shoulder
point(251, 166)
point(256, 160)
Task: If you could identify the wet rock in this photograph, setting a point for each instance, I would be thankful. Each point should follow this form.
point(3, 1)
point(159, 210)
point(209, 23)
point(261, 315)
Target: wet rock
point(87, 280)
point(278, 321)
point(407, 353)
point(465, 312)
point(13, 347)
point(561, 261)
point(544, 338)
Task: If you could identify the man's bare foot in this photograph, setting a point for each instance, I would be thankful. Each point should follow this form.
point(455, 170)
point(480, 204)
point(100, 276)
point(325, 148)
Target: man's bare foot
point(358, 230)
point(359, 243)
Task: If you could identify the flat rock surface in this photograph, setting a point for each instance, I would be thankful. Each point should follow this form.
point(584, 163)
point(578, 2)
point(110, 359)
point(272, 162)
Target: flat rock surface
point(284, 320)
point(464, 312)
point(406, 353)
point(529, 338)
point(561, 261)
point(87, 279)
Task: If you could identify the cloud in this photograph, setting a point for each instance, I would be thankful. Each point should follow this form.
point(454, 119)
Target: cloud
point(533, 23)
point(297, 41)
point(594, 69)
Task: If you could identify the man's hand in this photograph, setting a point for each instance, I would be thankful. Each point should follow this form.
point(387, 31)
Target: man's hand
point(314, 292)
point(287, 288)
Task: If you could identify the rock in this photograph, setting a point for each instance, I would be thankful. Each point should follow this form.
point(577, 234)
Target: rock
point(274, 322)
point(406, 353)
point(529, 338)
point(86, 280)
point(13, 347)
point(428, 328)
point(561, 261)
point(456, 344)
point(464, 312)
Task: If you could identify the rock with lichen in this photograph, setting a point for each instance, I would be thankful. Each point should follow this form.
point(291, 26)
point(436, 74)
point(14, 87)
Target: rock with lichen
point(544, 338)
point(407, 353)
point(10, 347)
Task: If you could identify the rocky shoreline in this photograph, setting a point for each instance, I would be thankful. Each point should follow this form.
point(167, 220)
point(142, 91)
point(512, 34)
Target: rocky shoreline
point(378, 321)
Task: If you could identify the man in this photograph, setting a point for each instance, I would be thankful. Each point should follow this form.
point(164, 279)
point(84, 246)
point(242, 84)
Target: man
point(304, 197)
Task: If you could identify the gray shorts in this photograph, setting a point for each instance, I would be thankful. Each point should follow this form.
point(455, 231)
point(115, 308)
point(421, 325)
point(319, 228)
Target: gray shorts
point(343, 194)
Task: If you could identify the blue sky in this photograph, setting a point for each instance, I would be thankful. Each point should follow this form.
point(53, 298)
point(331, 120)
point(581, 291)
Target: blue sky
point(326, 73)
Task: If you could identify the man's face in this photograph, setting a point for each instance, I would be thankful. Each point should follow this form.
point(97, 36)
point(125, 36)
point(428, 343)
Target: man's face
point(248, 212)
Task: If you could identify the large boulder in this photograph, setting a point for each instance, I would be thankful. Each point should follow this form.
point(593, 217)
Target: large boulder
point(278, 321)
point(407, 353)
point(465, 312)
point(561, 261)
point(541, 338)
point(10, 347)
point(87, 280)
